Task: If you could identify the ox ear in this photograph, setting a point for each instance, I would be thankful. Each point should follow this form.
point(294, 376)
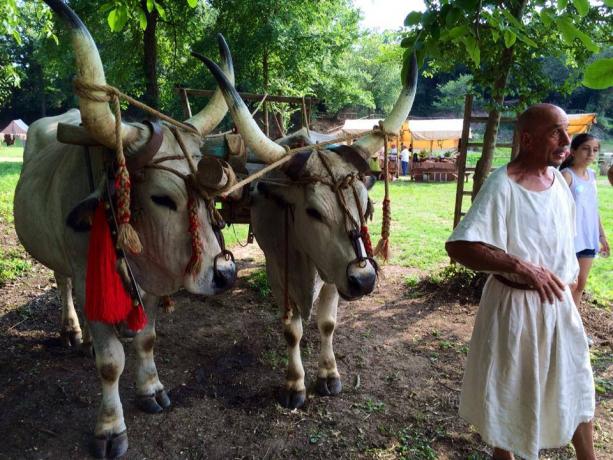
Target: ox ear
point(369, 181)
point(81, 217)
point(352, 156)
point(294, 167)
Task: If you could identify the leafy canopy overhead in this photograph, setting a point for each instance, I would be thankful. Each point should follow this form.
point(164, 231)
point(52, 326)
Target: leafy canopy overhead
point(476, 33)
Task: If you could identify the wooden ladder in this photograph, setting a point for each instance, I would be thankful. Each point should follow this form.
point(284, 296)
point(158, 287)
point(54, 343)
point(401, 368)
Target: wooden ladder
point(463, 171)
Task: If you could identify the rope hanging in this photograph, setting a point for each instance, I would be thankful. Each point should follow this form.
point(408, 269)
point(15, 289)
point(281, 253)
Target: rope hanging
point(383, 246)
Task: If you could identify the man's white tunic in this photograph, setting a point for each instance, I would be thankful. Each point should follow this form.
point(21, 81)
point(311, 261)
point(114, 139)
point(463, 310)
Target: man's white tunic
point(528, 381)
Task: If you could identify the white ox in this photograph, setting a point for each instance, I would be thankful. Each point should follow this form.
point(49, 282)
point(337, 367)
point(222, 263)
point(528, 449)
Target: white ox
point(54, 180)
point(323, 205)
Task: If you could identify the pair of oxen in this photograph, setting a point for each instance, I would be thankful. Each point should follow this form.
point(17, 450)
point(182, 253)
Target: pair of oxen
point(306, 217)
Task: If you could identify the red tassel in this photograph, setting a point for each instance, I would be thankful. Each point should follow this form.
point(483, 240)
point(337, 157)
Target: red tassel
point(137, 318)
point(106, 300)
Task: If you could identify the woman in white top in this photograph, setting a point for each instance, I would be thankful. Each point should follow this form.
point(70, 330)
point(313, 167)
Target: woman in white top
point(590, 236)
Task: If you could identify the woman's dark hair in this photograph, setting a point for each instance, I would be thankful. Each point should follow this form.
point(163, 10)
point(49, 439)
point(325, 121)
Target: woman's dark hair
point(574, 145)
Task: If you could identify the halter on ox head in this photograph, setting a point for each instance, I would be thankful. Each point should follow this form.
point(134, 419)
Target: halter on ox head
point(325, 191)
point(170, 205)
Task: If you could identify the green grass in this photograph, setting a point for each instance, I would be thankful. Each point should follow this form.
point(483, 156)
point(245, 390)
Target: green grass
point(9, 173)
point(14, 151)
point(422, 219)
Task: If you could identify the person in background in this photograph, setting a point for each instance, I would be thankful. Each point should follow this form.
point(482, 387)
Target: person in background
point(590, 235)
point(404, 160)
point(528, 380)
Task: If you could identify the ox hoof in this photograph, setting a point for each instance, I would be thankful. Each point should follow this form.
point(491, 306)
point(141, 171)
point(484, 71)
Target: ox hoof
point(292, 399)
point(328, 386)
point(162, 399)
point(113, 446)
point(155, 403)
point(71, 338)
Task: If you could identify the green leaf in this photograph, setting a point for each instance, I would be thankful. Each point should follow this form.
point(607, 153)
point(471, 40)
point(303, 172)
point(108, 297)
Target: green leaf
point(608, 3)
point(192, 3)
point(407, 42)
point(562, 4)
point(413, 18)
point(582, 6)
point(587, 41)
point(457, 32)
point(142, 19)
point(106, 7)
point(527, 40)
point(150, 4)
point(160, 9)
point(111, 19)
point(453, 17)
point(566, 28)
point(472, 48)
point(495, 34)
point(547, 17)
point(509, 38)
point(599, 74)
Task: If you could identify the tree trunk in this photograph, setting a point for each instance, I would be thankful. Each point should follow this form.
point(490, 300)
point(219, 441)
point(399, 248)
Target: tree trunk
point(484, 164)
point(152, 91)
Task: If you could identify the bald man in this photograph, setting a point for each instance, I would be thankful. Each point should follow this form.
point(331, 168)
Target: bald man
point(528, 382)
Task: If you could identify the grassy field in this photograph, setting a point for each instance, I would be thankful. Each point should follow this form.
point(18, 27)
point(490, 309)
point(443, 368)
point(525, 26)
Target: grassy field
point(14, 151)
point(422, 215)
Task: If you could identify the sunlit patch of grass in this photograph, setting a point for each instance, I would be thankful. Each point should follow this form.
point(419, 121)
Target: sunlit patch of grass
point(13, 264)
point(9, 174)
point(258, 281)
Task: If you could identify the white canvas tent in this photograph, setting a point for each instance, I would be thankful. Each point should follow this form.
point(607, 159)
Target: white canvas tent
point(433, 134)
point(17, 128)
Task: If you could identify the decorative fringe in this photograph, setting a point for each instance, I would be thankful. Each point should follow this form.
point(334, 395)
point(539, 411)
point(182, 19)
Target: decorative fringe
point(106, 299)
point(195, 263)
point(168, 305)
point(137, 319)
point(383, 246)
point(127, 238)
point(366, 240)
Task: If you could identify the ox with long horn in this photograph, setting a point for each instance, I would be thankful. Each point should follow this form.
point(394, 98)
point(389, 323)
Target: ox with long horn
point(171, 212)
point(310, 221)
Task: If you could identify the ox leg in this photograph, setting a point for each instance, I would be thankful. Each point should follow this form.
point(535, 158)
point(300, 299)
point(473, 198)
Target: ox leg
point(150, 394)
point(70, 332)
point(110, 436)
point(328, 378)
point(294, 393)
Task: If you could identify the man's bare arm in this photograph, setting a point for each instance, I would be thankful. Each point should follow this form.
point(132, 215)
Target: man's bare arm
point(481, 257)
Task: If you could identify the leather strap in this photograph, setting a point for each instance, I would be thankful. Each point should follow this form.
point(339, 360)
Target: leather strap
point(513, 284)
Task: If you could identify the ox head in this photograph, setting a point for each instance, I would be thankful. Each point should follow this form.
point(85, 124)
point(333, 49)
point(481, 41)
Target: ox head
point(167, 199)
point(326, 191)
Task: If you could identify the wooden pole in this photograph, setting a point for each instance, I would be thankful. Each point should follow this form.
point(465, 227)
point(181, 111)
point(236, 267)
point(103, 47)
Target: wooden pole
point(187, 110)
point(461, 161)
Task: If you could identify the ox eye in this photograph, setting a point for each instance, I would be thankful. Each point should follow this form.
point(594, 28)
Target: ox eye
point(315, 214)
point(164, 200)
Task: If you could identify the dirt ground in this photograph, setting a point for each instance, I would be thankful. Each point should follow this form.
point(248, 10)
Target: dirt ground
point(400, 353)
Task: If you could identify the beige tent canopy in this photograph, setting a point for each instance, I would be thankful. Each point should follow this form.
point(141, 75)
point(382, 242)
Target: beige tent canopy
point(17, 128)
point(580, 122)
point(430, 134)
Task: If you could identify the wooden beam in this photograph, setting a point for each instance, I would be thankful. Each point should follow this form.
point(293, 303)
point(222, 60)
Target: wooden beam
point(251, 96)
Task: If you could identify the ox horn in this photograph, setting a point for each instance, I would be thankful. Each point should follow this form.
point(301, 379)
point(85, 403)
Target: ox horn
point(97, 116)
point(210, 116)
point(265, 149)
point(370, 144)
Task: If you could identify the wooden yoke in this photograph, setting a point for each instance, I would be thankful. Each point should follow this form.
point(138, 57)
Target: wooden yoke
point(75, 135)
